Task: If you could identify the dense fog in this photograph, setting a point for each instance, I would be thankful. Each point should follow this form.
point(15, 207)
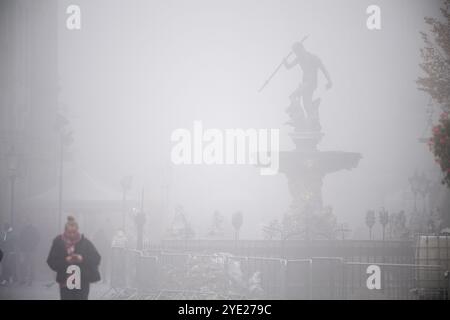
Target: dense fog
point(137, 70)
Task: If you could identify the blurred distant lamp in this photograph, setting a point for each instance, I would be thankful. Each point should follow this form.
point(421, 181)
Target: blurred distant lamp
point(13, 164)
point(424, 186)
point(139, 220)
point(237, 221)
point(420, 184)
point(384, 220)
point(65, 140)
point(414, 182)
point(125, 183)
point(370, 221)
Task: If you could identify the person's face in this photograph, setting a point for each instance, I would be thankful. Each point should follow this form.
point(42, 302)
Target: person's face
point(72, 232)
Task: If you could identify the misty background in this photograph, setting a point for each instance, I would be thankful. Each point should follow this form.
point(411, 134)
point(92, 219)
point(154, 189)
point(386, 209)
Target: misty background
point(137, 70)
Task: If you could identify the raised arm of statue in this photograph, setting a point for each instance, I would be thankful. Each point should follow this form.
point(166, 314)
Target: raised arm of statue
point(326, 74)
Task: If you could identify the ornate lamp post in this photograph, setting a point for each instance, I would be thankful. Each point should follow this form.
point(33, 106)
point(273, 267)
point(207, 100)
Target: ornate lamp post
point(125, 183)
point(370, 221)
point(414, 182)
point(140, 219)
point(237, 221)
point(13, 164)
point(384, 220)
point(424, 189)
point(420, 185)
point(65, 140)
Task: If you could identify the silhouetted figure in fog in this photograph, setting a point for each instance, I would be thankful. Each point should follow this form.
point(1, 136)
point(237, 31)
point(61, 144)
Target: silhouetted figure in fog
point(310, 66)
point(8, 245)
point(72, 252)
point(28, 241)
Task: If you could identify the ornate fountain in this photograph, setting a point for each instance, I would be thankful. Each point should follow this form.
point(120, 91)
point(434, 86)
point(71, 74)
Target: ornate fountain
point(305, 167)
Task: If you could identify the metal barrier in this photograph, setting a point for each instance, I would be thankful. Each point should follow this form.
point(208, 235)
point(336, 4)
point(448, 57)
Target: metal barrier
point(398, 282)
point(298, 279)
point(267, 274)
point(327, 278)
point(141, 274)
point(118, 268)
point(147, 275)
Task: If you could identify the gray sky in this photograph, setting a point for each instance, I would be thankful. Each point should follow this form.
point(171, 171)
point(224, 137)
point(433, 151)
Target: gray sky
point(137, 70)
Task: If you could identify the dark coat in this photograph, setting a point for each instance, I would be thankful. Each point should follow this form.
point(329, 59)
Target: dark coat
point(89, 267)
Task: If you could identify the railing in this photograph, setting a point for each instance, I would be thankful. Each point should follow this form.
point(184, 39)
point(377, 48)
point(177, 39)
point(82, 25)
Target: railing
point(389, 251)
point(398, 281)
point(144, 274)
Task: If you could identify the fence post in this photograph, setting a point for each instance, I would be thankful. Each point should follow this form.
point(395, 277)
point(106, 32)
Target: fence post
point(283, 289)
point(343, 284)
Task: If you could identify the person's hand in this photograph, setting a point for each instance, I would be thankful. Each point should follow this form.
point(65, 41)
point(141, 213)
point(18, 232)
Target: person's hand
point(77, 258)
point(74, 258)
point(329, 85)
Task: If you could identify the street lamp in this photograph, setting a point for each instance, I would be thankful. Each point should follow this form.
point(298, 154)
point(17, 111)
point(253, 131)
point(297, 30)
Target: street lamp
point(139, 220)
point(370, 221)
point(126, 186)
point(414, 182)
point(424, 189)
point(13, 163)
point(65, 140)
point(420, 185)
point(237, 220)
point(384, 220)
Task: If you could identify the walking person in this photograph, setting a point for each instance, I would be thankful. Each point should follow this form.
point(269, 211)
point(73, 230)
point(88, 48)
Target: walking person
point(28, 241)
point(75, 260)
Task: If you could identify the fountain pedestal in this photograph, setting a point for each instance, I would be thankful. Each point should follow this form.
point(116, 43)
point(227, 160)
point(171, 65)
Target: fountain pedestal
point(305, 168)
